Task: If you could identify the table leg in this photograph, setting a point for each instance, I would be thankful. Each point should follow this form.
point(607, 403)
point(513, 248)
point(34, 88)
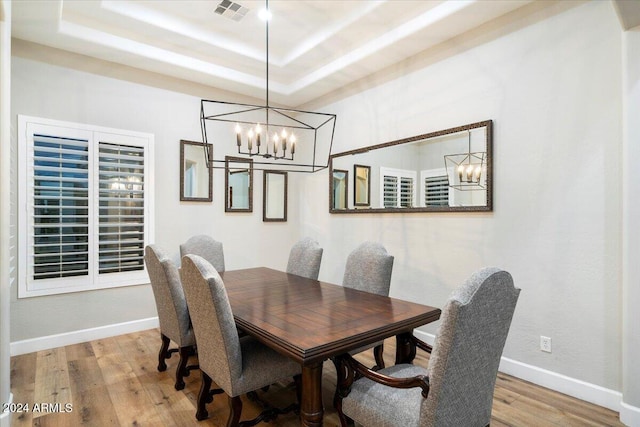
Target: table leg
point(405, 348)
point(312, 411)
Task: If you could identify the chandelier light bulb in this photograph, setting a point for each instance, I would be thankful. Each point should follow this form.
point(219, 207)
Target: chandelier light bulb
point(238, 134)
point(477, 173)
point(284, 139)
point(250, 141)
point(469, 172)
point(258, 132)
point(293, 140)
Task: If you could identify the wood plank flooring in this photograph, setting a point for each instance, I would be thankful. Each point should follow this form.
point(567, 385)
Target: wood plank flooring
point(114, 382)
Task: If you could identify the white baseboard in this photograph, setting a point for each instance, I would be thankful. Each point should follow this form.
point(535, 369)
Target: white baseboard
point(83, 335)
point(629, 415)
point(573, 387)
point(5, 417)
point(582, 390)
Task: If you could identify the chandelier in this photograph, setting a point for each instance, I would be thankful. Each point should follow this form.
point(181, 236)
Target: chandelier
point(274, 138)
point(466, 171)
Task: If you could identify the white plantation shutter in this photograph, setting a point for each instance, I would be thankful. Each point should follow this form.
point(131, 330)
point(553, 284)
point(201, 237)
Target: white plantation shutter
point(86, 206)
point(59, 236)
point(397, 188)
point(390, 195)
point(406, 192)
point(121, 208)
point(436, 190)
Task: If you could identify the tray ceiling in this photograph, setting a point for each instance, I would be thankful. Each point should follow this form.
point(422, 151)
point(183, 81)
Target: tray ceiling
point(315, 47)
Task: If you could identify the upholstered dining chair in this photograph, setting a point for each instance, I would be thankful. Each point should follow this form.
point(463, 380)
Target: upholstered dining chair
point(175, 324)
point(305, 258)
point(206, 247)
point(457, 388)
point(369, 268)
point(237, 365)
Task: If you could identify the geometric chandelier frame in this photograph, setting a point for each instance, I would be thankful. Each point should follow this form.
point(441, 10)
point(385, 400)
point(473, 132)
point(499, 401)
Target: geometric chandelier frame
point(282, 139)
point(314, 133)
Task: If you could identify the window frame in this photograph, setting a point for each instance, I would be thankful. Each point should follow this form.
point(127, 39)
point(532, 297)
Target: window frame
point(27, 127)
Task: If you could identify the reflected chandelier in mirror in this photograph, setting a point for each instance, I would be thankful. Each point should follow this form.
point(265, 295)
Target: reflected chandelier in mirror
point(450, 170)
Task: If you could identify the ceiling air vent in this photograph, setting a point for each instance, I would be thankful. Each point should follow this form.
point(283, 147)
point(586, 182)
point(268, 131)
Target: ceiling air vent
point(231, 10)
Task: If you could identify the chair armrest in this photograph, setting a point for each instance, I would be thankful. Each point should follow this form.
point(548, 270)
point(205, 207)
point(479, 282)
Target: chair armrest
point(421, 344)
point(350, 364)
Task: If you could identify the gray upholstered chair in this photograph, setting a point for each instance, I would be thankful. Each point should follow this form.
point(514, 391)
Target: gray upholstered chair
point(175, 324)
point(305, 258)
point(457, 388)
point(206, 247)
point(369, 268)
point(237, 365)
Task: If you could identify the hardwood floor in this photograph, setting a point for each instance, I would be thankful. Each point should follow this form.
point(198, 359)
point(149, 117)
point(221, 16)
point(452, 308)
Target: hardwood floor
point(114, 381)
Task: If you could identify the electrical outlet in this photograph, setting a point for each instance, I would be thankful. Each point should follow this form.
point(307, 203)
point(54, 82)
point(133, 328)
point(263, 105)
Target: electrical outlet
point(545, 344)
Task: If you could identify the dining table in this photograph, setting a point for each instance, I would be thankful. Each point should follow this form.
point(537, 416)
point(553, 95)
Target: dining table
point(311, 321)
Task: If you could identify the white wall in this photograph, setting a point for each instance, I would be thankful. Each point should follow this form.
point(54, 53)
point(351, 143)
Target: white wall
point(43, 90)
point(553, 88)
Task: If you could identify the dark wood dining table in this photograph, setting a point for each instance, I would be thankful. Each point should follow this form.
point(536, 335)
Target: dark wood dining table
point(311, 321)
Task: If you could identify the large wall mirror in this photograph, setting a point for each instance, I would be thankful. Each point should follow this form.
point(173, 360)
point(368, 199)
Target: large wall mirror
point(274, 192)
point(238, 184)
point(195, 177)
point(444, 171)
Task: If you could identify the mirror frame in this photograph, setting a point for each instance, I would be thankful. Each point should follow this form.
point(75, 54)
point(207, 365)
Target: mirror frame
point(183, 198)
point(264, 196)
point(231, 159)
point(489, 174)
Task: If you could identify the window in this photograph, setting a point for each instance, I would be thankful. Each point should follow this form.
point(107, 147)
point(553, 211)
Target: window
point(86, 206)
point(398, 188)
point(435, 188)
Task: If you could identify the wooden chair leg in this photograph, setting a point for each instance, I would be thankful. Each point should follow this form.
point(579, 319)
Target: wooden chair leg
point(164, 353)
point(181, 370)
point(377, 354)
point(235, 408)
point(204, 397)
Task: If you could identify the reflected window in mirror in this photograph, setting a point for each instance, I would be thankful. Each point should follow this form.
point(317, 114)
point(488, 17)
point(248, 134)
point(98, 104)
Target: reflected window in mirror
point(274, 192)
point(340, 186)
point(361, 185)
point(448, 170)
point(238, 184)
point(398, 188)
point(195, 177)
